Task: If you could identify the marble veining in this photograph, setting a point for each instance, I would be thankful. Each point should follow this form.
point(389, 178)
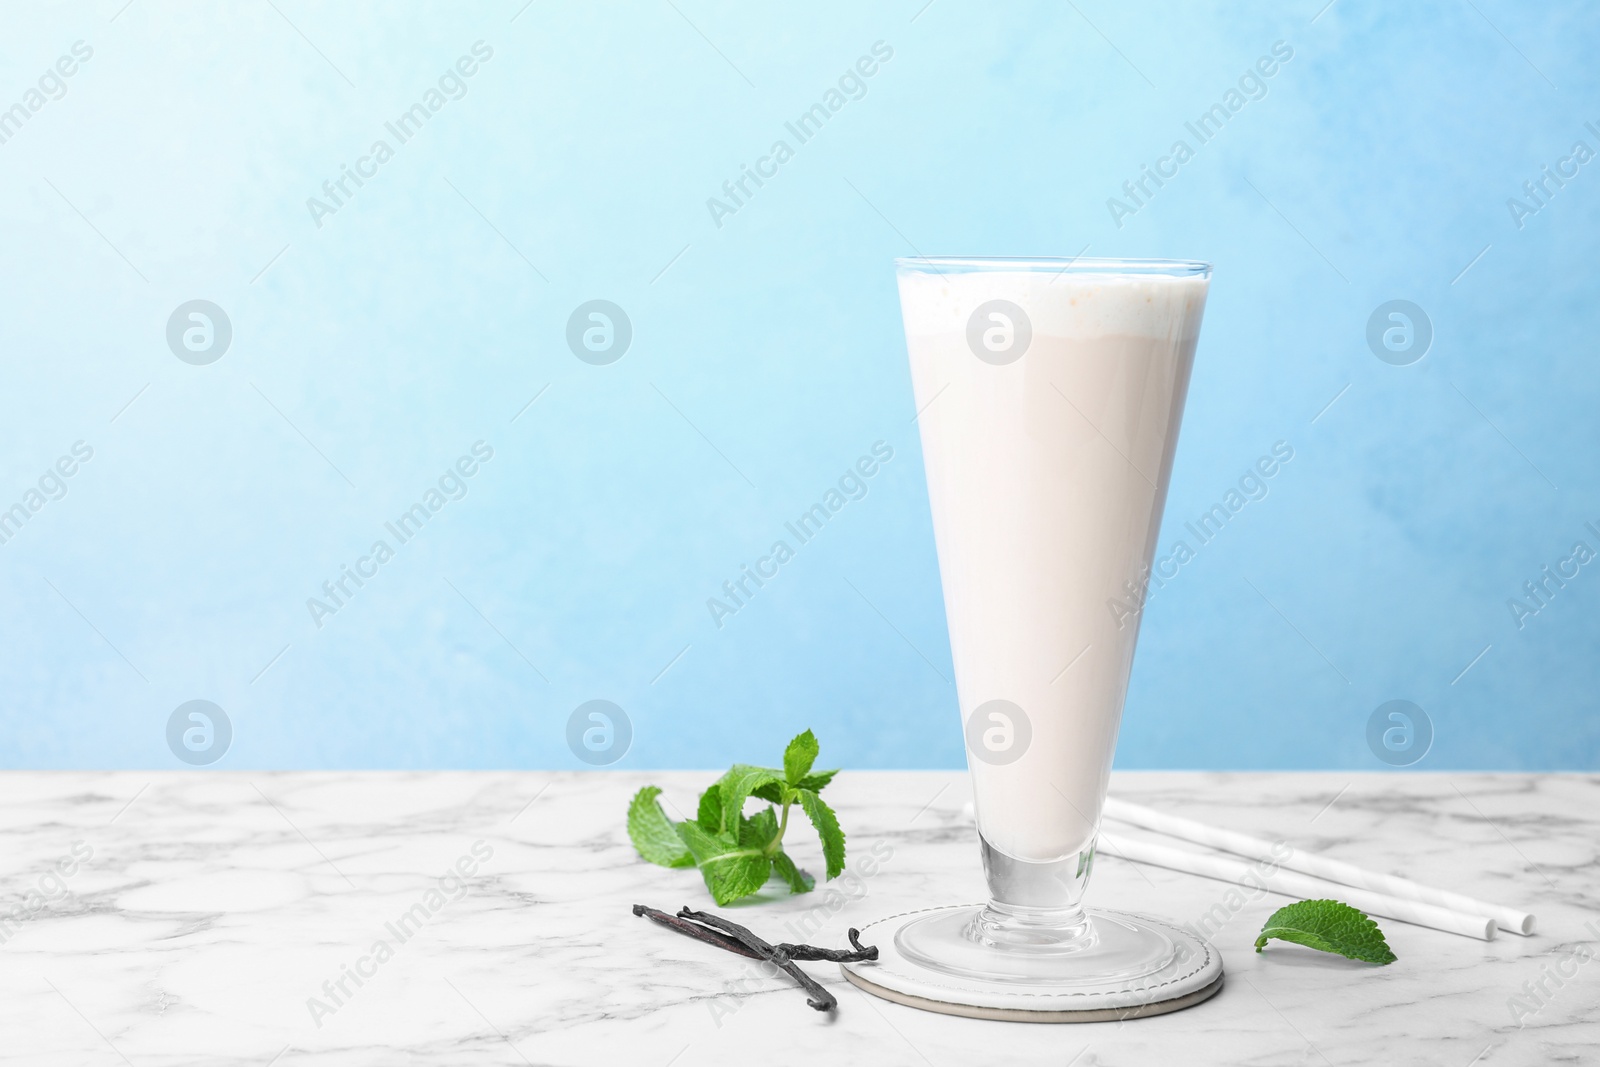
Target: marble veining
point(483, 918)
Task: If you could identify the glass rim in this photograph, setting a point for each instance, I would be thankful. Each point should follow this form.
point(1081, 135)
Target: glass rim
point(1058, 264)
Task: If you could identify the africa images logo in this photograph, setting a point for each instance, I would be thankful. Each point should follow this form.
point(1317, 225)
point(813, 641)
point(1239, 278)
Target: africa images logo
point(852, 85)
point(451, 85)
point(199, 732)
point(453, 484)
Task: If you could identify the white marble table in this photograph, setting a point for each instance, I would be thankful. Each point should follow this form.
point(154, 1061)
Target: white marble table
point(203, 911)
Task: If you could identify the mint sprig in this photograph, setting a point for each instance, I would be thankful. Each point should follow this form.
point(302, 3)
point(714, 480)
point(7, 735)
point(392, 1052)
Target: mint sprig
point(1328, 926)
point(737, 854)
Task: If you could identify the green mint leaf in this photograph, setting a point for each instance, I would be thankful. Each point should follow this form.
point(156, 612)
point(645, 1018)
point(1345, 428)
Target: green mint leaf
point(1328, 926)
point(735, 786)
point(730, 871)
point(709, 815)
point(782, 792)
point(702, 844)
point(815, 782)
point(759, 830)
point(799, 881)
point(827, 825)
point(799, 756)
point(736, 875)
point(653, 833)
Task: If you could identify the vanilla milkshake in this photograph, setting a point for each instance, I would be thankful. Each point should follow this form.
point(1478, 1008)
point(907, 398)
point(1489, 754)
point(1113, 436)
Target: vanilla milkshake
point(1050, 394)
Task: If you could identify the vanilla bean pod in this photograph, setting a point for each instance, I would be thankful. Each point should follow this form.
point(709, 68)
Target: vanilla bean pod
point(808, 953)
point(818, 997)
point(861, 953)
point(796, 953)
point(695, 930)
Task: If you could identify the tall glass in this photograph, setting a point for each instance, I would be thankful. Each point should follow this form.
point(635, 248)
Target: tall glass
point(1049, 395)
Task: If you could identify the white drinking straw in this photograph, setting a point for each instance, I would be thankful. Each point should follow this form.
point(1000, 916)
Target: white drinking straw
point(1293, 884)
point(1255, 848)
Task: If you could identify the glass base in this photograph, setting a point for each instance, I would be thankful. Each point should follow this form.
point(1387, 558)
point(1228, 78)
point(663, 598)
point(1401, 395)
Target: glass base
point(1002, 944)
point(993, 962)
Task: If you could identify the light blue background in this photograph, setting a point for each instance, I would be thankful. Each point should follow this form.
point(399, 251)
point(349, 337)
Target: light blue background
point(766, 358)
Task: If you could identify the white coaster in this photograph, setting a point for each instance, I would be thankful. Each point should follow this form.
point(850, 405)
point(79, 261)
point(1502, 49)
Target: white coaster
point(1193, 974)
